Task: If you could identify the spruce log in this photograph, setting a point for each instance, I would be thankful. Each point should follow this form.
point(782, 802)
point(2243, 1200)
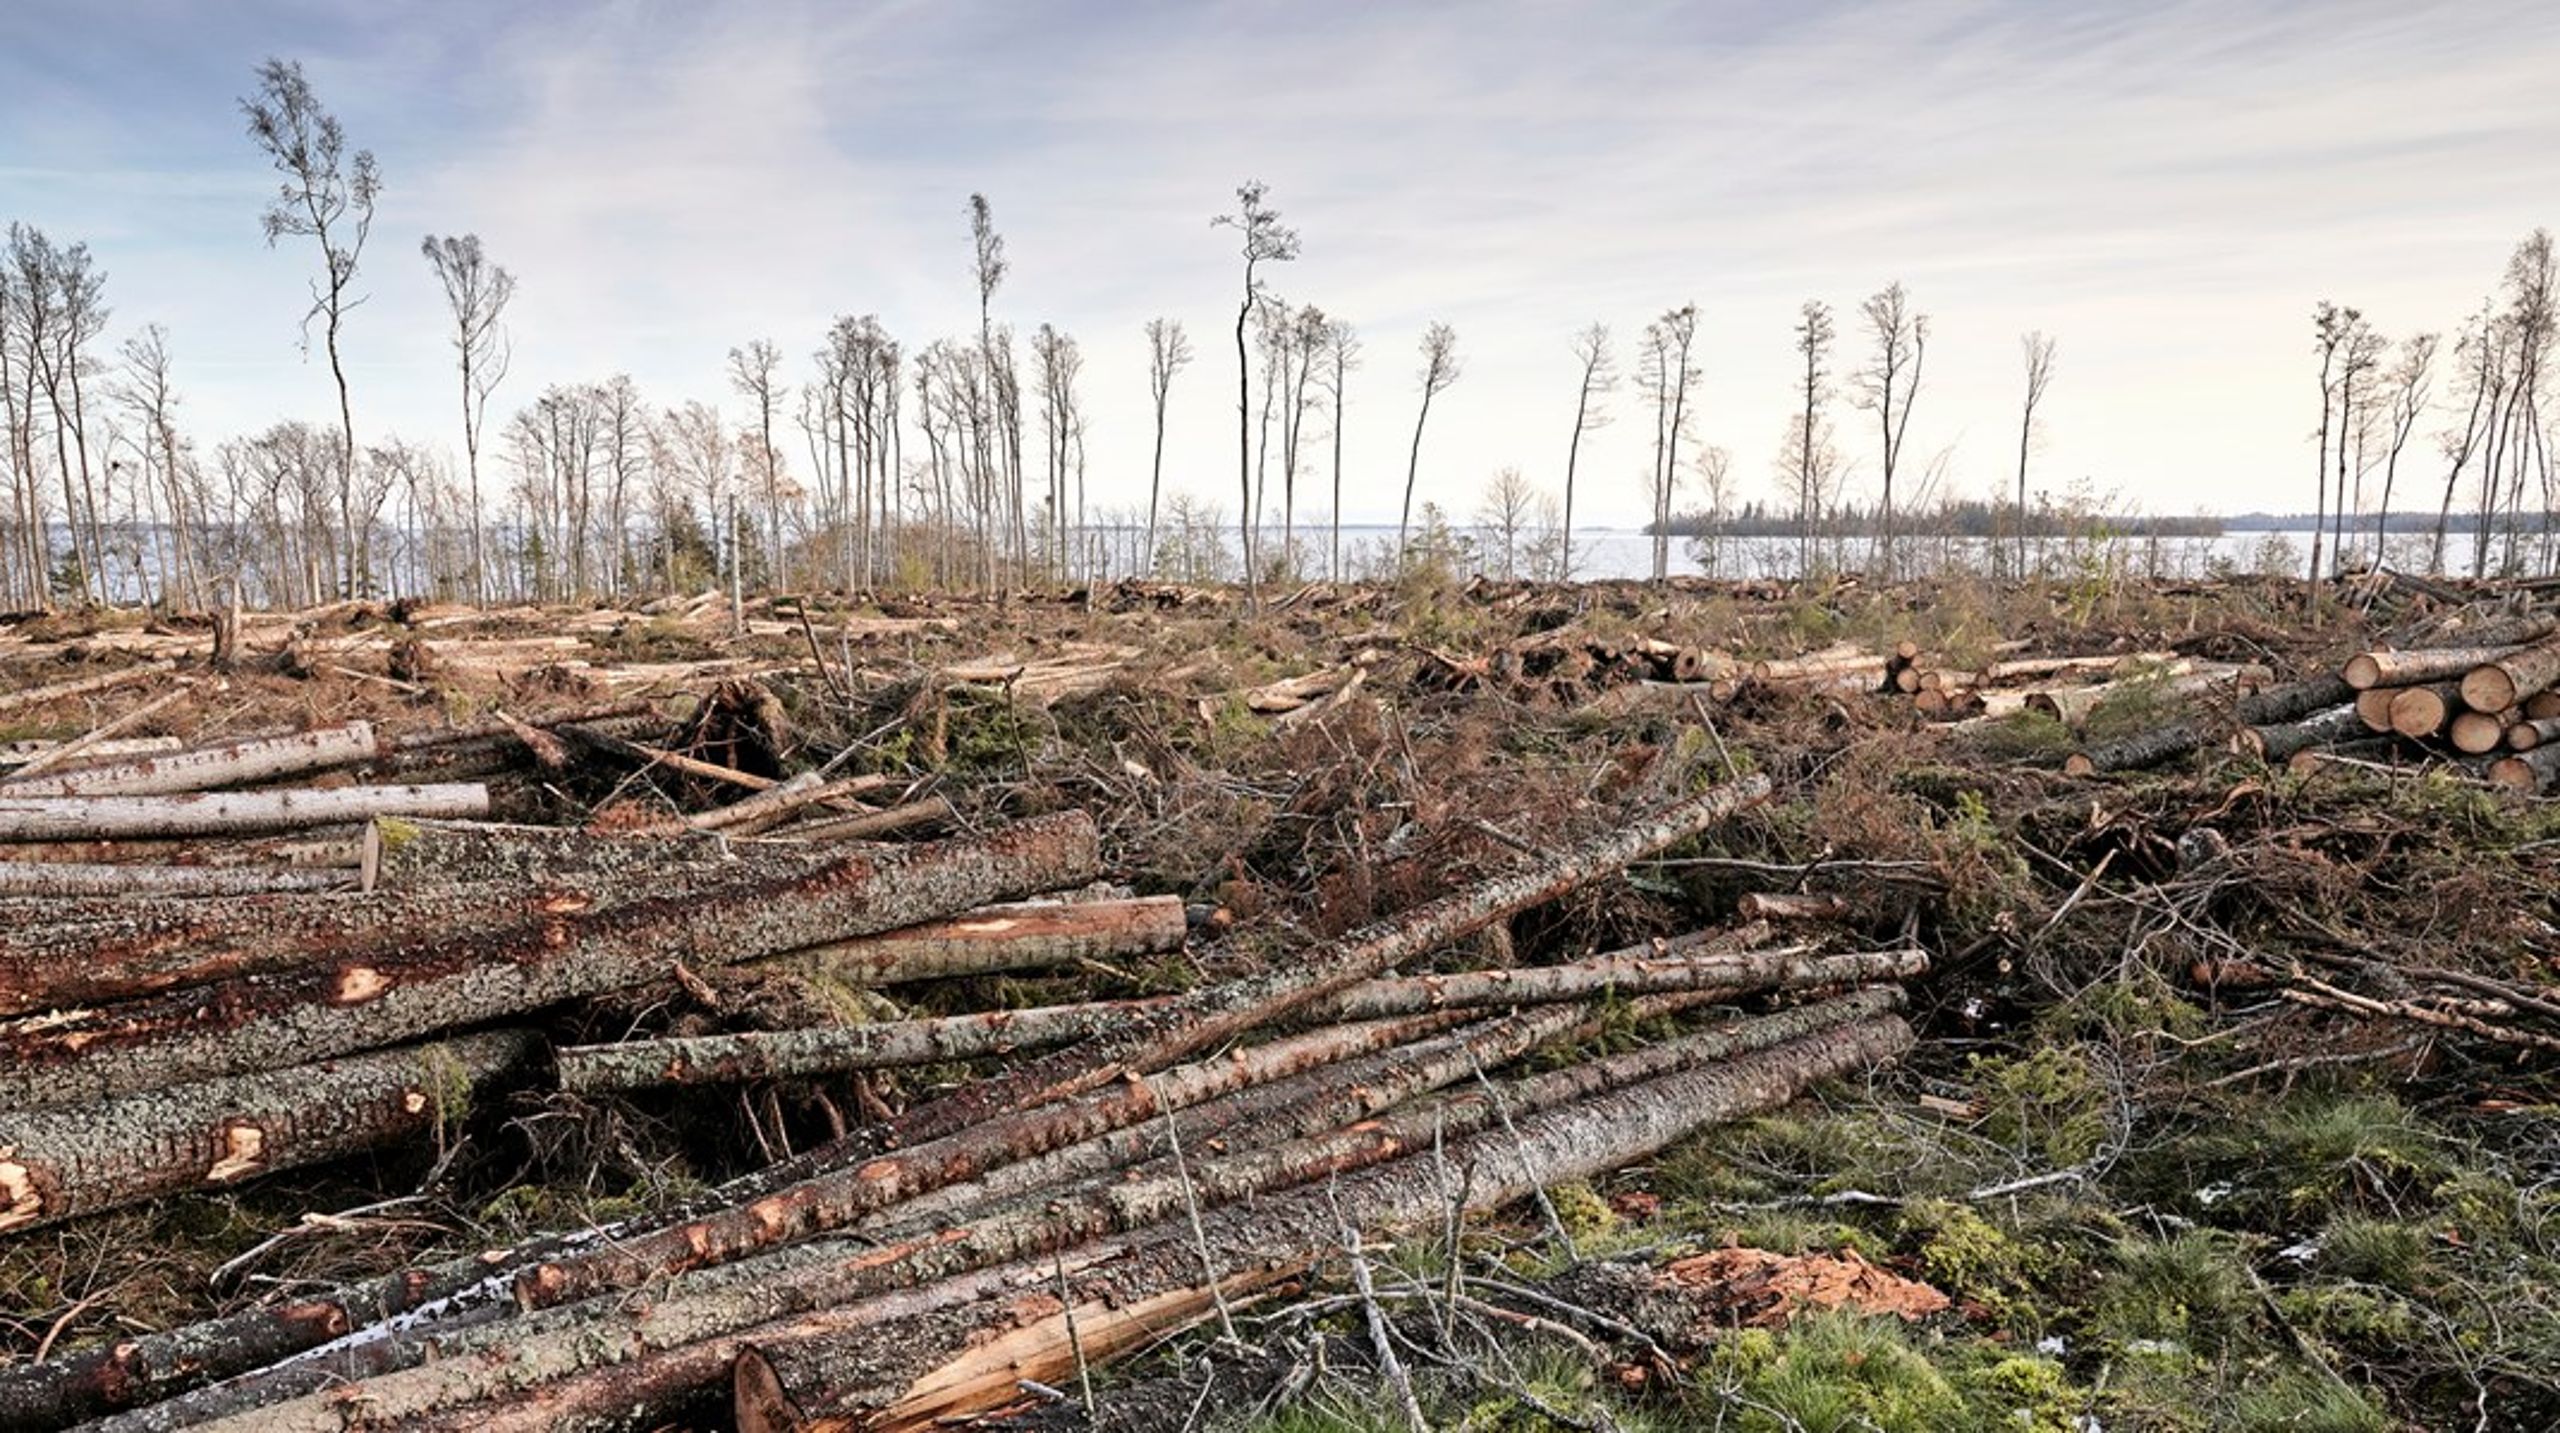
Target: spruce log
point(530, 1369)
point(206, 767)
point(2530, 772)
point(2473, 733)
point(656, 1354)
point(321, 846)
point(2292, 702)
point(2387, 668)
point(1214, 1014)
point(2373, 707)
point(2526, 735)
point(374, 998)
point(228, 813)
point(2542, 706)
point(2419, 712)
point(2512, 631)
point(55, 1164)
point(2272, 744)
point(2498, 685)
point(1027, 936)
point(790, 1054)
point(52, 880)
point(132, 1372)
point(2137, 751)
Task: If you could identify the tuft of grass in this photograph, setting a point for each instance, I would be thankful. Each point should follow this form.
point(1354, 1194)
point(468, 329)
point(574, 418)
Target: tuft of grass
point(1831, 1373)
point(2305, 1403)
point(2191, 1290)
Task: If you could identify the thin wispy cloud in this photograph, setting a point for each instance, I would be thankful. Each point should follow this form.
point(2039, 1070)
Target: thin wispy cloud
point(2168, 188)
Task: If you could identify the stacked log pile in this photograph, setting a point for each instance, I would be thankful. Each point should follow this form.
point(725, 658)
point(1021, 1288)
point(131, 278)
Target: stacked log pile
point(384, 952)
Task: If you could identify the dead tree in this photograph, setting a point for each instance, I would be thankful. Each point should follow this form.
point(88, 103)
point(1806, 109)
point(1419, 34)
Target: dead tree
point(1888, 386)
point(328, 197)
point(1669, 375)
point(1814, 333)
point(2411, 379)
point(1341, 355)
point(476, 293)
point(1599, 376)
point(1168, 353)
point(1439, 370)
point(2038, 350)
point(1265, 241)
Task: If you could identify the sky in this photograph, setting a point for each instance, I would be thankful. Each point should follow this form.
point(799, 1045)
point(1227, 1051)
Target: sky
point(2167, 188)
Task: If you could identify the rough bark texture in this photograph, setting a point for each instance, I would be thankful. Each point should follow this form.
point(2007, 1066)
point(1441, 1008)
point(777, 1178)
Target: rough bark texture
point(1218, 1013)
point(2490, 632)
point(717, 1313)
point(204, 768)
point(2531, 772)
point(74, 818)
point(2136, 752)
point(366, 1000)
point(2292, 702)
point(1031, 936)
point(55, 1164)
point(2277, 743)
point(871, 825)
point(2496, 686)
point(55, 879)
point(2387, 668)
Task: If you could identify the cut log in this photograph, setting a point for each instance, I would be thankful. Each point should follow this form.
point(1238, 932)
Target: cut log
point(2496, 686)
point(2473, 733)
point(55, 1164)
point(2541, 706)
point(2526, 735)
point(2489, 631)
point(2418, 712)
point(871, 825)
point(1031, 936)
point(1822, 666)
point(2292, 702)
point(2072, 706)
point(1790, 906)
point(229, 813)
point(2387, 668)
point(2272, 744)
point(774, 805)
point(2136, 752)
point(1207, 1017)
point(80, 686)
point(2373, 707)
point(789, 1054)
point(18, 753)
point(2531, 772)
point(376, 998)
point(205, 768)
point(559, 1368)
point(321, 846)
point(53, 880)
point(84, 745)
point(647, 757)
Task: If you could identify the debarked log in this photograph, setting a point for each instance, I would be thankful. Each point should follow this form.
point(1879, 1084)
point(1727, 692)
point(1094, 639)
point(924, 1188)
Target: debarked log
point(79, 818)
point(55, 1164)
point(206, 767)
point(369, 999)
point(1032, 935)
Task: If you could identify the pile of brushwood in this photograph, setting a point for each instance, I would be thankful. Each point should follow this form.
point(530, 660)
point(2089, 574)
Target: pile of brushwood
point(1117, 1008)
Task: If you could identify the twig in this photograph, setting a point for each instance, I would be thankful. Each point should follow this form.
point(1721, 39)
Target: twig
point(1191, 1208)
point(1388, 1363)
point(1075, 1341)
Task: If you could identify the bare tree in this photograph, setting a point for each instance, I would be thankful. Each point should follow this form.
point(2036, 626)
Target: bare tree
point(476, 293)
point(1265, 241)
point(1168, 353)
point(1341, 355)
point(2038, 350)
point(755, 372)
point(1503, 516)
point(1667, 374)
point(1714, 467)
point(2477, 355)
point(1888, 386)
point(328, 197)
point(2411, 379)
point(2330, 326)
point(1439, 370)
point(152, 399)
point(1814, 334)
point(987, 250)
point(1599, 376)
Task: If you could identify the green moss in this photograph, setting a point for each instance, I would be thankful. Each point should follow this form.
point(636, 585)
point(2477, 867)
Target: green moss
point(1832, 1373)
point(2049, 1106)
point(2191, 1291)
point(2024, 1393)
point(394, 833)
point(2373, 1251)
point(2357, 1317)
point(2024, 736)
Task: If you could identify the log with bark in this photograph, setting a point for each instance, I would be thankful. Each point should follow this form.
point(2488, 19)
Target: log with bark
point(16, 754)
point(55, 1164)
point(2474, 733)
point(2136, 751)
point(1034, 935)
point(205, 768)
point(2276, 743)
point(2531, 772)
point(52, 880)
point(2292, 702)
point(2526, 735)
point(79, 686)
point(2497, 685)
point(373, 998)
point(2388, 668)
point(82, 818)
point(872, 825)
point(2419, 712)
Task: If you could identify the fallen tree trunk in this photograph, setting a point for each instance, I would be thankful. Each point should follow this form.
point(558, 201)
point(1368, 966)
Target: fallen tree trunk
point(2137, 751)
point(89, 742)
point(19, 753)
point(2498, 685)
point(790, 1054)
point(825, 1374)
point(55, 1164)
point(2272, 744)
point(2388, 668)
point(130, 1373)
point(2292, 702)
point(1030, 936)
point(204, 768)
point(2512, 631)
point(320, 846)
point(1218, 1013)
point(53, 880)
point(871, 825)
point(375, 998)
point(228, 813)
point(79, 686)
